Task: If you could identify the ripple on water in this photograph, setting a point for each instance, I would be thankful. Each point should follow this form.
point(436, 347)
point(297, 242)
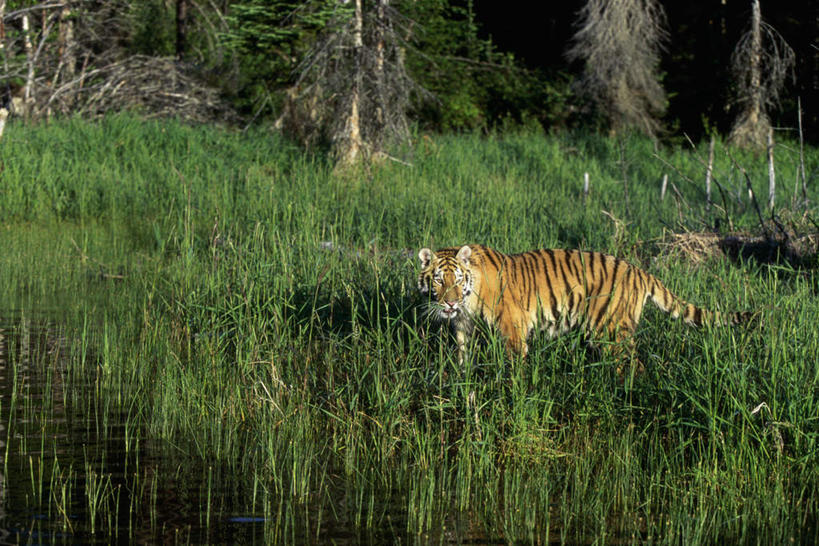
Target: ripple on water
point(74, 471)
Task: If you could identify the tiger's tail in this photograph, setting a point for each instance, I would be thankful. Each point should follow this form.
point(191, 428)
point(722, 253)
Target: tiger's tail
point(690, 313)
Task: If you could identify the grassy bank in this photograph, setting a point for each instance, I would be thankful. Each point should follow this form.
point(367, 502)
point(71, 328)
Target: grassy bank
point(233, 297)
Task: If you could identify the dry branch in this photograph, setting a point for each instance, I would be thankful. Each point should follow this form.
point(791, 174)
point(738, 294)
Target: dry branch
point(83, 72)
point(154, 86)
point(784, 246)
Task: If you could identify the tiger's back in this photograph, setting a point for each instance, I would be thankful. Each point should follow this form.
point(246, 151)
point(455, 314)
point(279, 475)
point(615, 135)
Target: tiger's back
point(550, 289)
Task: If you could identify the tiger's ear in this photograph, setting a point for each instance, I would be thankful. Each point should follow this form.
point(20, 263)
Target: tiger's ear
point(464, 254)
point(426, 256)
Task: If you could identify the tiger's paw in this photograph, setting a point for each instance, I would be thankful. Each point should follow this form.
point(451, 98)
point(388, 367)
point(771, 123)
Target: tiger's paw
point(634, 366)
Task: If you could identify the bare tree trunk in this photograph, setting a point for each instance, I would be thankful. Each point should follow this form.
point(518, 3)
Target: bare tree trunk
point(28, 90)
point(619, 43)
point(624, 170)
point(181, 27)
point(756, 61)
point(760, 64)
point(663, 187)
point(380, 48)
point(4, 110)
point(350, 147)
point(771, 174)
point(67, 48)
point(356, 80)
point(3, 31)
point(4, 114)
point(3, 39)
point(708, 172)
point(801, 168)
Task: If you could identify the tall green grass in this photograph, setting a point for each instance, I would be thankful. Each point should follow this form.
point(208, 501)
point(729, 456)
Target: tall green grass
point(231, 295)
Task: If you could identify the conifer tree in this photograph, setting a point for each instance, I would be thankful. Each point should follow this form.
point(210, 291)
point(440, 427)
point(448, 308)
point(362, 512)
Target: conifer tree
point(619, 43)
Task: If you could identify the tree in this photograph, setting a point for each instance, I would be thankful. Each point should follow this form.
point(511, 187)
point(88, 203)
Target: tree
point(181, 27)
point(353, 86)
point(619, 43)
point(474, 84)
point(760, 65)
point(84, 57)
point(266, 39)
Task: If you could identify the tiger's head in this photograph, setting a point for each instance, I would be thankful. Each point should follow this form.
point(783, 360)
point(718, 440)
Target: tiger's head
point(447, 276)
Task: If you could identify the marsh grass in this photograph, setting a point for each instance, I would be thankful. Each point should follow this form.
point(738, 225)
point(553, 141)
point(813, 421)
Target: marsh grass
point(229, 296)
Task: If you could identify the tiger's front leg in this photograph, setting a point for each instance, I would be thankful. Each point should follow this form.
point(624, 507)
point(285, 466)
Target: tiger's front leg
point(462, 337)
point(515, 335)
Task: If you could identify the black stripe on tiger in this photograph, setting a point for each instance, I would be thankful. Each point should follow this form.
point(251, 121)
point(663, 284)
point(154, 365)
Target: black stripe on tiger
point(550, 289)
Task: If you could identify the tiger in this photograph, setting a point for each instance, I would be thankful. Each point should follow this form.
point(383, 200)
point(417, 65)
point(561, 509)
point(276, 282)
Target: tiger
point(549, 289)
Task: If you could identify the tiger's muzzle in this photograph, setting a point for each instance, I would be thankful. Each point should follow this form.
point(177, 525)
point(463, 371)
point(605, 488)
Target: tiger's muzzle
point(449, 309)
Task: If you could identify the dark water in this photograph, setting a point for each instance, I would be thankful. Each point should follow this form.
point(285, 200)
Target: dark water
point(76, 470)
point(73, 472)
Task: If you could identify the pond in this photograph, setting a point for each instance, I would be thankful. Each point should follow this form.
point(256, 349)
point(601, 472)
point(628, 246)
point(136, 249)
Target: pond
point(73, 471)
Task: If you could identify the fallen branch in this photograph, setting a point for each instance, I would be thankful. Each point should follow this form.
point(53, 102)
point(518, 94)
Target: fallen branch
point(696, 247)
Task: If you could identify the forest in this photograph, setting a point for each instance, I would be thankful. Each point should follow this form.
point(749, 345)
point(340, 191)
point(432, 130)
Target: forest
point(211, 217)
point(440, 65)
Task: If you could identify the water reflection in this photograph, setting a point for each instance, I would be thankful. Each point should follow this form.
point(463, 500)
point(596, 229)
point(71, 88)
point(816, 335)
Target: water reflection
point(77, 469)
point(4, 534)
point(72, 471)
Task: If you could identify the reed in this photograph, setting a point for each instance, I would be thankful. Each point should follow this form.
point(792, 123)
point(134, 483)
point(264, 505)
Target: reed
point(229, 296)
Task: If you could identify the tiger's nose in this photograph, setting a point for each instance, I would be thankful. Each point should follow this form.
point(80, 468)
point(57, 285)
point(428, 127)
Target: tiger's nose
point(450, 306)
point(449, 309)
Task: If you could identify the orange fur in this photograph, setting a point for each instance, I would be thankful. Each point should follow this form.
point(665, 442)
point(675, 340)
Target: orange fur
point(553, 290)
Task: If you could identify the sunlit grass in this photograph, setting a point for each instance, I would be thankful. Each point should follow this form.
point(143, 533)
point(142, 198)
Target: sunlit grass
point(231, 296)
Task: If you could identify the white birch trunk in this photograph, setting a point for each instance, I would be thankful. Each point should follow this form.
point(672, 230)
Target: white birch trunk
point(28, 90)
point(4, 114)
point(708, 172)
point(771, 174)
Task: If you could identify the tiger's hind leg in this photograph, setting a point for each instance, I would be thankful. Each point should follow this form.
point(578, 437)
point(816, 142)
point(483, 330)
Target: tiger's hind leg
point(624, 352)
point(623, 349)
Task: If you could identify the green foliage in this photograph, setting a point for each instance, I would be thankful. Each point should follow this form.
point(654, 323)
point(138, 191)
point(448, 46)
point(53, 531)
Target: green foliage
point(151, 27)
point(275, 28)
point(474, 85)
point(269, 39)
point(266, 319)
point(471, 83)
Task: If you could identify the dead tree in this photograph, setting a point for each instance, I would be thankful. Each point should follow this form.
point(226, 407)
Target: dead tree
point(619, 43)
point(353, 90)
point(760, 65)
point(348, 143)
point(67, 48)
point(181, 27)
point(69, 57)
point(4, 107)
